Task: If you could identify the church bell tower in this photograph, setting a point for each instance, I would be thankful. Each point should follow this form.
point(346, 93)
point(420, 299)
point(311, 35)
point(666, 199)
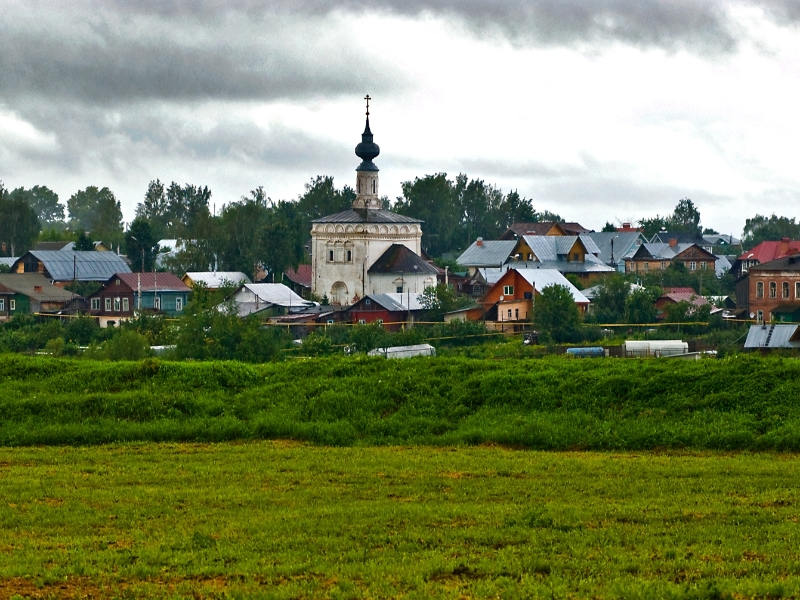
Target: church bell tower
point(367, 172)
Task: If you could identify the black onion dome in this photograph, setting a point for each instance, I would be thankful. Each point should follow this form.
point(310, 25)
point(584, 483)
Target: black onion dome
point(367, 150)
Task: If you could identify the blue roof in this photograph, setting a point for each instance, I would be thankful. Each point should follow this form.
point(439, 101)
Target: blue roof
point(66, 265)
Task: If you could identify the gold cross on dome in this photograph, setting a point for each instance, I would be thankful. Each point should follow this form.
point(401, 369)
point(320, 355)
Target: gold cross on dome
point(367, 98)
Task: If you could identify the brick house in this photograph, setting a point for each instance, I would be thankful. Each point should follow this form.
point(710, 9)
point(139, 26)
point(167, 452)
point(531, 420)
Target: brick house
point(764, 253)
point(771, 291)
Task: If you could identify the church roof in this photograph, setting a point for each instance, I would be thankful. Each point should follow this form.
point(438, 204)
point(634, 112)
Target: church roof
point(363, 215)
point(400, 259)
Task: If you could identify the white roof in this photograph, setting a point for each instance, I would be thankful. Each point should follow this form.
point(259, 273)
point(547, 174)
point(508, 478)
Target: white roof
point(542, 278)
point(216, 279)
point(407, 301)
point(276, 293)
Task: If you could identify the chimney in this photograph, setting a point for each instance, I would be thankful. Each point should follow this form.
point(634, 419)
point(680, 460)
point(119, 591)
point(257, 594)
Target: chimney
point(479, 242)
point(673, 242)
point(37, 289)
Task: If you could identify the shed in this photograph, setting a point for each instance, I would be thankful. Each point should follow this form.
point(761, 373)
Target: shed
point(775, 335)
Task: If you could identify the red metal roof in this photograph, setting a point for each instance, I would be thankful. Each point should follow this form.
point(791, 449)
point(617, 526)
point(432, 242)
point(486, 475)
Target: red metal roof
point(679, 290)
point(691, 298)
point(300, 276)
point(767, 251)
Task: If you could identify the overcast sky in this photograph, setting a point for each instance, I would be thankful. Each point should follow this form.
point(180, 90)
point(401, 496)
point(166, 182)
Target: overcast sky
point(597, 110)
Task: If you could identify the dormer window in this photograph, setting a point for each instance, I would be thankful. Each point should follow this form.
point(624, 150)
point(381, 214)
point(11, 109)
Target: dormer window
point(117, 281)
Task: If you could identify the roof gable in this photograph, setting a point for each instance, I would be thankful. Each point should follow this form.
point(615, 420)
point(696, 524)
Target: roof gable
point(400, 259)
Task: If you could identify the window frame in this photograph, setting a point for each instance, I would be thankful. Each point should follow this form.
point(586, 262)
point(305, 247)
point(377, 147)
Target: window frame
point(2, 304)
point(96, 303)
point(759, 289)
point(12, 304)
point(785, 290)
point(692, 265)
point(179, 304)
point(107, 304)
point(508, 290)
point(773, 289)
point(126, 305)
point(117, 304)
point(157, 302)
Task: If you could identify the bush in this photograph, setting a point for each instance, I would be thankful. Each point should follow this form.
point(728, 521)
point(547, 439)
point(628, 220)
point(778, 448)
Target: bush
point(127, 345)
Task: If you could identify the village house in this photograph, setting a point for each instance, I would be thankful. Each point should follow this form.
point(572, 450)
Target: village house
point(266, 300)
point(764, 253)
point(675, 295)
point(512, 297)
point(125, 294)
point(64, 266)
point(22, 293)
point(771, 291)
point(392, 310)
point(616, 246)
point(299, 280)
point(658, 256)
point(517, 230)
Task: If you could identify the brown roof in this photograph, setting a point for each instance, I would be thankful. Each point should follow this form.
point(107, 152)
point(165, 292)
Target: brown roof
point(543, 228)
point(30, 284)
point(162, 282)
point(301, 275)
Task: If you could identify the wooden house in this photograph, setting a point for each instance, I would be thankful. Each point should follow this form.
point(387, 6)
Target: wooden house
point(125, 294)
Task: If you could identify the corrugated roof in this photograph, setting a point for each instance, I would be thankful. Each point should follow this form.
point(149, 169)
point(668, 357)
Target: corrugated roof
point(26, 284)
point(542, 278)
point(771, 250)
point(301, 276)
point(8, 260)
point(492, 253)
point(625, 244)
point(401, 259)
point(397, 302)
point(275, 293)
point(544, 247)
point(217, 279)
point(689, 296)
point(362, 215)
point(780, 336)
point(66, 265)
point(787, 263)
point(152, 282)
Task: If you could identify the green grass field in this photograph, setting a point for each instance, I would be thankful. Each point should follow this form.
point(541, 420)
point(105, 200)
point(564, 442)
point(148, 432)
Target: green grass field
point(284, 520)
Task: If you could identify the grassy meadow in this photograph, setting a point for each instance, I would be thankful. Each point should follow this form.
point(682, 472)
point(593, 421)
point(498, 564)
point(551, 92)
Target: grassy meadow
point(286, 520)
point(736, 403)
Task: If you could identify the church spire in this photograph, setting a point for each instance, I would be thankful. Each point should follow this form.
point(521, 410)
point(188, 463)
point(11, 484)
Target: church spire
point(367, 171)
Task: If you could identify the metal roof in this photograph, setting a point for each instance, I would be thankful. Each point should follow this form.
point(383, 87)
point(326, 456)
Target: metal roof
point(491, 253)
point(363, 215)
point(542, 278)
point(217, 279)
point(66, 265)
point(400, 259)
point(624, 244)
point(780, 336)
point(8, 260)
point(274, 293)
point(397, 302)
point(152, 282)
point(302, 275)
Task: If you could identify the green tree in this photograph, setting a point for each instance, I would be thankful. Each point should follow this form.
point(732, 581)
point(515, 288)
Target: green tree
point(556, 315)
point(97, 211)
point(761, 229)
point(652, 226)
point(608, 305)
point(155, 209)
point(432, 199)
point(441, 299)
point(515, 209)
point(685, 218)
point(140, 246)
point(83, 243)
point(640, 305)
point(19, 225)
point(608, 227)
point(45, 204)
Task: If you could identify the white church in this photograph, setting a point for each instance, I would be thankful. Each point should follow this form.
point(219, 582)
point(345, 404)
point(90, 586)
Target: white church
point(367, 250)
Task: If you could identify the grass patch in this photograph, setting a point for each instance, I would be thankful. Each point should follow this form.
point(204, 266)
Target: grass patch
point(284, 520)
point(737, 403)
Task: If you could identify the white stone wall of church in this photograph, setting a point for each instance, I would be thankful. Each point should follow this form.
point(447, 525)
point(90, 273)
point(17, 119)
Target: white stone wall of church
point(366, 247)
point(412, 283)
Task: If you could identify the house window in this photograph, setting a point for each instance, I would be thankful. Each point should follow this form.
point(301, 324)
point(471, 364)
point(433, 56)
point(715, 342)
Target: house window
point(530, 256)
point(349, 256)
point(116, 304)
point(362, 321)
point(2, 304)
point(179, 304)
point(117, 281)
point(330, 321)
point(760, 316)
point(157, 303)
point(516, 314)
point(663, 265)
point(379, 322)
point(125, 305)
point(508, 290)
point(703, 266)
point(760, 289)
point(108, 304)
point(330, 255)
point(95, 303)
point(12, 305)
point(797, 290)
point(367, 301)
point(399, 289)
point(373, 186)
point(509, 314)
point(785, 289)
point(646, 267)
point(773, 289)
point(692, 266)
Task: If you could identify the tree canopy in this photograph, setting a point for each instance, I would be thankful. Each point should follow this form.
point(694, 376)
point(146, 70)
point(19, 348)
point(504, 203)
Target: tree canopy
point(98, 212)
point(760, 229)
point(19, 225)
